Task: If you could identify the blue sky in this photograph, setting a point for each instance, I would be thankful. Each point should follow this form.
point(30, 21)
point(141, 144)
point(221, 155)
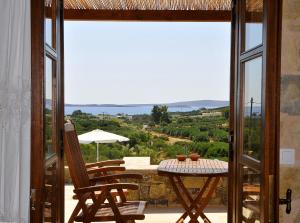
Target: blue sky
point(146, 62)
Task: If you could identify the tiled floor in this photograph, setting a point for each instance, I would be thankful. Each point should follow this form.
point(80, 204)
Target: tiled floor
point(154, 215)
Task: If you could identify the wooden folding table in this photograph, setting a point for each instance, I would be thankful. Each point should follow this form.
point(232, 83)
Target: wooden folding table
point(211, 169)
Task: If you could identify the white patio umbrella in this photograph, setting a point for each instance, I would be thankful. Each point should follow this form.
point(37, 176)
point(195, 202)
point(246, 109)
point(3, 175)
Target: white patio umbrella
point(100, 136)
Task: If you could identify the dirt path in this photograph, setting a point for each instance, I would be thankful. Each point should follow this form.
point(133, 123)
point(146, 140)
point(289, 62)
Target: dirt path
point(171, 139)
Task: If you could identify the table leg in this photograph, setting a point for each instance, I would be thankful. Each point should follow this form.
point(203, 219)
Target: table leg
point(199, 196)
point(199, 203)
point(204, 201)
point(184, 203)
point(193, 202)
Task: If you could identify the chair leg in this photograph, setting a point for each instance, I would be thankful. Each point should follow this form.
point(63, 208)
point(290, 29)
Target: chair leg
point(74, 213)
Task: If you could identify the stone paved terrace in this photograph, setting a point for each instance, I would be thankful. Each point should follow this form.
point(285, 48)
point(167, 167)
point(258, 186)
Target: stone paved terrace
point(217, 214)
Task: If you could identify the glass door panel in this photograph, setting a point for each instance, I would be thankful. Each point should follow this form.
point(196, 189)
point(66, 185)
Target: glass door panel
point(49, 109)
point(253, 24)
point(52, 178)
point(50, 138)
point(251, 148)
point(47, 169)
point(254, 125)
point(252, 108)
point(50, 22)
point(255, 114)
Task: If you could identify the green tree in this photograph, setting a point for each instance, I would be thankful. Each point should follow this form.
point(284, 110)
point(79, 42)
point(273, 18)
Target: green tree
point(156, 114)
point(164, 114)
point(159, 114)
point(77, 113)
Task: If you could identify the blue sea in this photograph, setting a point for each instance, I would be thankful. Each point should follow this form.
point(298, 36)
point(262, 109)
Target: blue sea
point(130, 110)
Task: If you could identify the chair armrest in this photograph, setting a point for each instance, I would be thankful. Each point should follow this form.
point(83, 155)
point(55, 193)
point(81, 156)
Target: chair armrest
point(118, 186)
point(105, 163)
point(117, 176)
point(106, 169)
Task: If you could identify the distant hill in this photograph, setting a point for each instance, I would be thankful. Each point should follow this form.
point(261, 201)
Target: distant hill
point(197, 103)
point(200, 103)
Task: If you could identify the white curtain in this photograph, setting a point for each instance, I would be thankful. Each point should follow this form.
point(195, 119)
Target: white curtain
point(15, 73)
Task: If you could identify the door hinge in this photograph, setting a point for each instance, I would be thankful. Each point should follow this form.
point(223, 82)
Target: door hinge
point(287, 201)
point(33, 199)
point(230, 141)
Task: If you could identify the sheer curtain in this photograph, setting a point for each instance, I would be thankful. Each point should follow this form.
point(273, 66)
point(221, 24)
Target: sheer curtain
point(15, 73)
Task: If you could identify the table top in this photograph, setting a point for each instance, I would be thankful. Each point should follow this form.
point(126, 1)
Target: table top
point(201, 167)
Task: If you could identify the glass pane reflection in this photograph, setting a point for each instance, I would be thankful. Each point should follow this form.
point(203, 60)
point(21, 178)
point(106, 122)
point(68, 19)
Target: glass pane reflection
point(250, 195)
point(48, 108)
point(50, 182)
point(48, 31)
point(50, 191)
point(49, 19)
point(252, 108)
point(253, 23)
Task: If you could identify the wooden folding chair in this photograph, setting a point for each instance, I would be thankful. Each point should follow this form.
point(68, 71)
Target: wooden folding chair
point(99, 189)
point(104, 168)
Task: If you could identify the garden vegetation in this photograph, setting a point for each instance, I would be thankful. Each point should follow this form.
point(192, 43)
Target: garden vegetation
point(160, 135)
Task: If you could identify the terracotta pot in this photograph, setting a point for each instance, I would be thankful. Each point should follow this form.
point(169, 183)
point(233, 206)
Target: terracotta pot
point(181, 157)
point(194, 156)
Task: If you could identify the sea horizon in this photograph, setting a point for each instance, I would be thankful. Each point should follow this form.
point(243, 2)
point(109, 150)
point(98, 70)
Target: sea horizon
point(126, 110)
point(139, 109)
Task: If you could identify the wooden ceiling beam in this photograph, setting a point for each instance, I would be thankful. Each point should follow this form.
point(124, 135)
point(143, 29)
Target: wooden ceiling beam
point(148, 15)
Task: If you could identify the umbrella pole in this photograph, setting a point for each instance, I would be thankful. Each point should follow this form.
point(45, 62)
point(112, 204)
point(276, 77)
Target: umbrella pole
point(97, 152)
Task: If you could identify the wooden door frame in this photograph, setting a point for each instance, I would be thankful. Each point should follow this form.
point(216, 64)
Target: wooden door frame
point(61, 107)
point(272, 59)
point(273, 70)
point(38, 55)
point(38, 64)
point(37, 111)
point(232, 116)
point(37, 103)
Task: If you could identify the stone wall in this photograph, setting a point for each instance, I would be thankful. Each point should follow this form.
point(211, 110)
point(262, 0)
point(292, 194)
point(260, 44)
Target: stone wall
point(158, 192)
point(290, 106)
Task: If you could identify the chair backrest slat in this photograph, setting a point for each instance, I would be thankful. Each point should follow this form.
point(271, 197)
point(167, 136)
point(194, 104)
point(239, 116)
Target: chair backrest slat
point(73, 154)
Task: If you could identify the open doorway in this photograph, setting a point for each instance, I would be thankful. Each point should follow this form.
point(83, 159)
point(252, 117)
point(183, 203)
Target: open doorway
point(250, 172)
point(164, 86)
